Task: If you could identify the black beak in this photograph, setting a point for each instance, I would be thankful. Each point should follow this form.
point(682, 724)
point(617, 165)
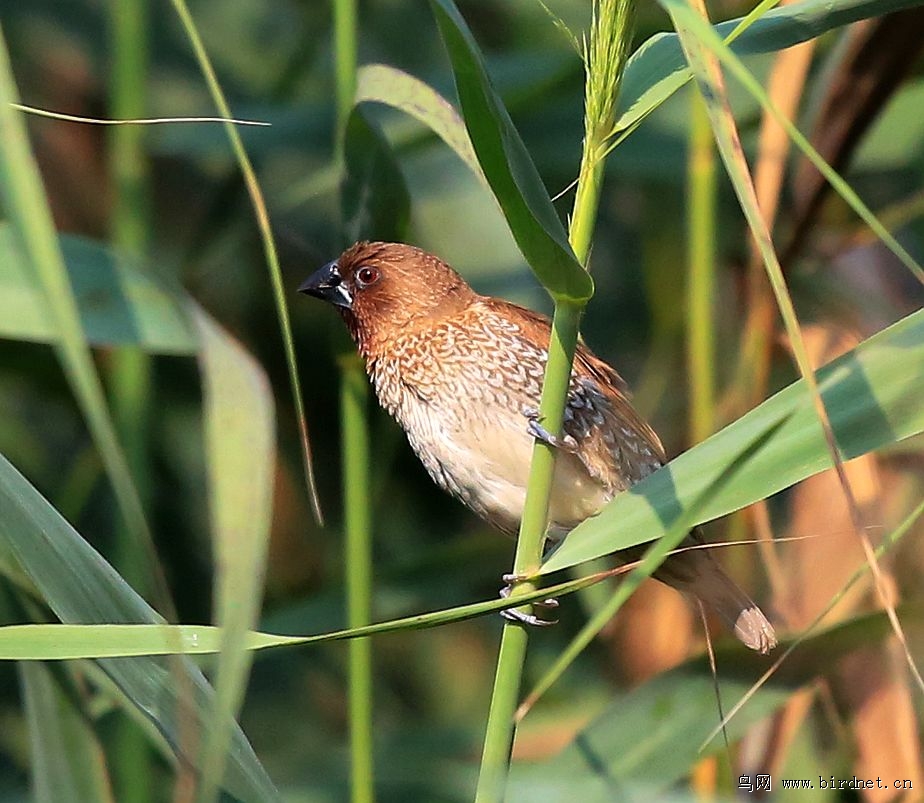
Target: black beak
point(327, 284)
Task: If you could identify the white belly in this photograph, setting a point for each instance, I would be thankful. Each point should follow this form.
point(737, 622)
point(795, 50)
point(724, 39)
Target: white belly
point(486, 464)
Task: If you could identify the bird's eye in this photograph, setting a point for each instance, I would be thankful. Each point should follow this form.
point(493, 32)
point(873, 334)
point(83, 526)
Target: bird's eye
point(366, 276)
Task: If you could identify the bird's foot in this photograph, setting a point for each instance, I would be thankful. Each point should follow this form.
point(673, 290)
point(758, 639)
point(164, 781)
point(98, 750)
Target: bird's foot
point(516, 615)
point(540, 433)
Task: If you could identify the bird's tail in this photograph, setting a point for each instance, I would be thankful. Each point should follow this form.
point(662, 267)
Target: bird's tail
point(698, 573)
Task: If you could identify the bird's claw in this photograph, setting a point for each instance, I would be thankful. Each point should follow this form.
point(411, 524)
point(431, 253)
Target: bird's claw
point(516, 615)
point(540, 433)
point(513, 615)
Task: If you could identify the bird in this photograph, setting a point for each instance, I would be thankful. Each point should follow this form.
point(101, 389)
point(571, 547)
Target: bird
point(462, 375)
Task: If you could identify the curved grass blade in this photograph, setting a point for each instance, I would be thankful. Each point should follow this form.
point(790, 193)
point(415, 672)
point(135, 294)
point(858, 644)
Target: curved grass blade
point(60, 642)
point(73, 118)
point(241, 458)
point(508, 166)
point(30, 218)
point(700, 32)
point(658, 68)
point(652, 735)
point(118, 305)
point(592, 628)
point(122, 305)
point(80, 586)
point(873, 398)
point(379, 83)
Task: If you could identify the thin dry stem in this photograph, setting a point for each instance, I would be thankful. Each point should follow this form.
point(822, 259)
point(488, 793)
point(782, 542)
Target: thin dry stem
point(74, 118)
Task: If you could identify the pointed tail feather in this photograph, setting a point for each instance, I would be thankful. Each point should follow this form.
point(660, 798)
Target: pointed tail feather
point(697, 573)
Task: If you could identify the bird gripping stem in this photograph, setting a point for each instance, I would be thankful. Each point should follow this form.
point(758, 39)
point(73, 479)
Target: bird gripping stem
point(499, 736)
point(551, 413)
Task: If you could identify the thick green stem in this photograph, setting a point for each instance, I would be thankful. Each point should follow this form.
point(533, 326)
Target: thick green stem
point(501, 729)
point(130, 368)
point(358, 524)
point(344, 61)
point(701, 215)
point(356, 478)
point(130, 222)
point(498, 744)
point(587, 199)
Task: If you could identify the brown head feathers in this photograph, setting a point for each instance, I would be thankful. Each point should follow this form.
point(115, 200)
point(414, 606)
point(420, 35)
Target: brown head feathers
point(394, 286)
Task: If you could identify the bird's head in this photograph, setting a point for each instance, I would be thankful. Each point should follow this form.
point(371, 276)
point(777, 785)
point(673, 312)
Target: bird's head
point(382, 289)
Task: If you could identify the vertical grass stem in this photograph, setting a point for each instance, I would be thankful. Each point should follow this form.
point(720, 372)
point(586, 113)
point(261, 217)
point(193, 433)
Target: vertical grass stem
point(358, 564)
point(345, 65)
point(701, 216)
point(129, 372)
point(356, 474)
point(501, 729)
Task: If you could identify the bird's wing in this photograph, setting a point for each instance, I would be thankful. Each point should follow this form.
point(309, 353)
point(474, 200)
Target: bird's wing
point(616, 446)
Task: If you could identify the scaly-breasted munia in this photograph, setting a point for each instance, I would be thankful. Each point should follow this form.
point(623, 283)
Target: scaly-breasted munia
point(462, 374)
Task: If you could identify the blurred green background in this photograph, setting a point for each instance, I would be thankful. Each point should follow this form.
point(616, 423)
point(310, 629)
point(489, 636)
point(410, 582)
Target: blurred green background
point(432, 688)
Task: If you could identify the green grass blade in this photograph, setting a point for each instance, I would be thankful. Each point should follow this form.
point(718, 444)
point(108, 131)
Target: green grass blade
point(650, 737)
point(379, 83)
point(357, 482)
point(389, 86)
point(606, 612)
point(508, 166)
point(344, 60)
point(873, 397)
point(702, 221)
point(30, 218)
point(269, 245)
point(121, 304)
point(67, 760)
point(129, 369)
point(700, 32)
point(130, 221)
point(241, 458)
point(658, 68)
point(118, 304)
point(58, 642)
point(81, 587)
